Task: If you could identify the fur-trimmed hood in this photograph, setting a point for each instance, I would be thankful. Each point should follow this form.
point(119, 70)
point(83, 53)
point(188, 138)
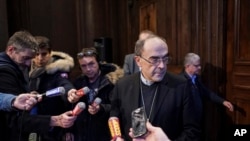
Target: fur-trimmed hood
point(59, 61)
point(113, 75)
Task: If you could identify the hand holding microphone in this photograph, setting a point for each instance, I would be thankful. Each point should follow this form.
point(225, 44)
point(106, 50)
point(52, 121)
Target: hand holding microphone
point(80, 106)
point(96, 102)
point(114, 128)
point(74, 95)
point(95, 106)
point(52, 93)
point(83, 91)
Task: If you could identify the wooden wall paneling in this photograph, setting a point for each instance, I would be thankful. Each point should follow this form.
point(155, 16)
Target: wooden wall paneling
point(229, 47)
point(244, 37)
point(18, 15)
point(211, 49)
point(148, 17)
point(122, 34)
point(196, 11)
point(113, 30)
point(41, 18)
point(242, 115)
point(3, 25)
point(95, 20)
point(63, 26)
point(91, 18)
point(56, 20)
point(166, 25)
point(184, 30)
point(128, 28)
point(80, 24)
point(164, 20)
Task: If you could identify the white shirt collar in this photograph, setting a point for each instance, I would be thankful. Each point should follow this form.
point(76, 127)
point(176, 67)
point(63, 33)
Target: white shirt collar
point(145, 81)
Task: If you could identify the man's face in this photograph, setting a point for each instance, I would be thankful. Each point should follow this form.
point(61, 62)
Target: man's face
point(22, 58)
point(89, 67)
point(42, 57)
point(153, 60)
point(194, 68)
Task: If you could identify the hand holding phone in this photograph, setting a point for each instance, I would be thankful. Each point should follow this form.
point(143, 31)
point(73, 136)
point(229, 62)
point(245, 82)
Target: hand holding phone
point(139, 120)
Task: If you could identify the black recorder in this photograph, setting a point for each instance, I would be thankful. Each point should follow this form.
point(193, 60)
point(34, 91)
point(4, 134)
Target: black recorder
point(139, 120)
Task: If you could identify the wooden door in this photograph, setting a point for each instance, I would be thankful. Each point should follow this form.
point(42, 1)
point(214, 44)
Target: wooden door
point(238, 59)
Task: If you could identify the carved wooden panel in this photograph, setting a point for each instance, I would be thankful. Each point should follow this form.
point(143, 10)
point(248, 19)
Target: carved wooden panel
point(244, 28)
point(242, 115)
point(148, 17)
point(238, 58)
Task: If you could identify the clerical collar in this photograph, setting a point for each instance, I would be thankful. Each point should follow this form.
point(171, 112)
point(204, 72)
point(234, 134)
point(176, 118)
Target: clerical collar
point(145, 81)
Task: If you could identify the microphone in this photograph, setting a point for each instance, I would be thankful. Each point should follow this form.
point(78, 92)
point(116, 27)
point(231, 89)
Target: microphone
point(97, 101)
point(114, 127)
point(53, 92)
point(80, 106)
point(83, 91)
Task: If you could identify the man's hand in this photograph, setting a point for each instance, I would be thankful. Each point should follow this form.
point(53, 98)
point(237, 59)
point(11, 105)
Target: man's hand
point(65, 120)
point(154, 134)
point(229, 105)
point(25, 101)
point(72, 97)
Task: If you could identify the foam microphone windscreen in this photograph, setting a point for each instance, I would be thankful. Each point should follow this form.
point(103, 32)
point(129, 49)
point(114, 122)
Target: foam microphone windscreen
point(83, 91)
point(80, 106)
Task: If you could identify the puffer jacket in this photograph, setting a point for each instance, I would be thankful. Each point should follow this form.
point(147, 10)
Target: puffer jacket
point(53, 75)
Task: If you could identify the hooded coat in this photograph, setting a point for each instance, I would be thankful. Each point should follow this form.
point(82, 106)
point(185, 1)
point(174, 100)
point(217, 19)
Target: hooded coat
point(53, 75)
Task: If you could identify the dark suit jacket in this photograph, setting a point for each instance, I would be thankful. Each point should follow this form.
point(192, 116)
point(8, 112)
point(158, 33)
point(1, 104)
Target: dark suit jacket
point(203, 90)
point(130, 65)
point(200, 93)
point(173, 110)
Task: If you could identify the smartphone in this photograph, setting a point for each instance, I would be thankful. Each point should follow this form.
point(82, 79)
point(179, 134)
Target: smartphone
point(139, 120)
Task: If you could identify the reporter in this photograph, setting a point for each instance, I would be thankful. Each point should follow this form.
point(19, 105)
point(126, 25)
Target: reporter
point(99, 77)
point(154, 134)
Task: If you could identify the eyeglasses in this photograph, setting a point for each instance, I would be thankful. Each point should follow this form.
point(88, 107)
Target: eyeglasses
point(86, 53)
point(157, 60)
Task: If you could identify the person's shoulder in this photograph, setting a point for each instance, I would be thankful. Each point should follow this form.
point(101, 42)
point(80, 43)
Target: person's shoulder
point(115, 74)
point(129, 79)
point(5, 61)
point(174, 79)
point(61, 62)
point(131, 55)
